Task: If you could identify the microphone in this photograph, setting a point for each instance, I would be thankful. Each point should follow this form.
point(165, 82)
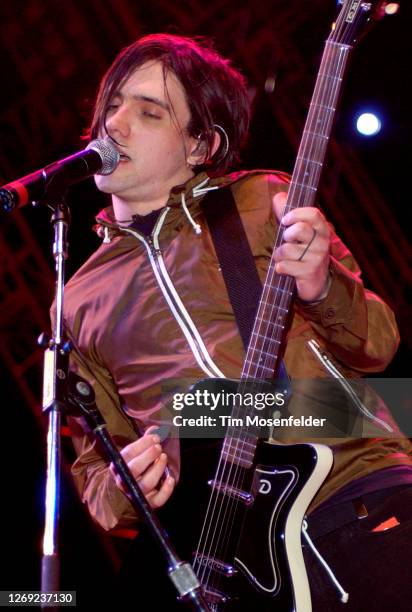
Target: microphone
point(99, 157)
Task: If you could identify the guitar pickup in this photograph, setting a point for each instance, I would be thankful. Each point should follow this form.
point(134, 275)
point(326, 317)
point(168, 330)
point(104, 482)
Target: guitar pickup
point(243, 496)
point(216, 564)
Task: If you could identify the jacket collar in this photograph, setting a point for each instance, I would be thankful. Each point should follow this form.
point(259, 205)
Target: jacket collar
point(184, 204)
point(106, 217)
point(187, 195)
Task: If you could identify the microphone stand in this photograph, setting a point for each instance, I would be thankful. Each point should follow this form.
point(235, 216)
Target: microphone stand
point(55, 375)
point(81, 396)
point(56, 396)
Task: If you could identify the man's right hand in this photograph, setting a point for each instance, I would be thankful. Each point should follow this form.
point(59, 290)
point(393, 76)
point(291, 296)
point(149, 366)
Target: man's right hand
point(147, 463)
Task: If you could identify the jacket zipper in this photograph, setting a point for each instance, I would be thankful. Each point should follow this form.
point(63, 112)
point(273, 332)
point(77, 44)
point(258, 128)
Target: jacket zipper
point(173, 300)
point(333, 370)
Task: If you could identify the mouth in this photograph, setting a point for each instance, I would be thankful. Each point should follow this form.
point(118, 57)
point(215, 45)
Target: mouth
point(123, 156)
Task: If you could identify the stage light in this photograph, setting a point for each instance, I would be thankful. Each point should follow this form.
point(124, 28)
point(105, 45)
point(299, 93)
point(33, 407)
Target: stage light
point(368, 124)
point(391, 8)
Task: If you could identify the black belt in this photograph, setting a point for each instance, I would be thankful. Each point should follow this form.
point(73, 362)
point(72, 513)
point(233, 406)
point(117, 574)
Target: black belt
point(326, 520)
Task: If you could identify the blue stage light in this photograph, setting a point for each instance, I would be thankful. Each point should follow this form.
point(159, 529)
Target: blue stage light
point(368, 124)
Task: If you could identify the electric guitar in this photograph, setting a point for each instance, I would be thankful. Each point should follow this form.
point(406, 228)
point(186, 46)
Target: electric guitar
point(249, 553)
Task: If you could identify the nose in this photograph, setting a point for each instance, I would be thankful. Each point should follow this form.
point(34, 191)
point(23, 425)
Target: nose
point(118, 122)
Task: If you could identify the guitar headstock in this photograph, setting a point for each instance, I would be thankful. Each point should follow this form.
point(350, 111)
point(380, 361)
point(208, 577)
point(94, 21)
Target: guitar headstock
point(354, 20)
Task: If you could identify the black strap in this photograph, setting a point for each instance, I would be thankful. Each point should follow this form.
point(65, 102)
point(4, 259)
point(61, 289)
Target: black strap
point(236, 261)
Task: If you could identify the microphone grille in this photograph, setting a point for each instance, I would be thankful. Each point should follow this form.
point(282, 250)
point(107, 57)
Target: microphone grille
point(109, 154)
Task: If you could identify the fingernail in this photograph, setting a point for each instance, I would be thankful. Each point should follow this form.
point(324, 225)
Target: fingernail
point(156, 439)
point(163, 431)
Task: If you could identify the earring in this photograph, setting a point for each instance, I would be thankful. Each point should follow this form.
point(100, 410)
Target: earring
point(223, 131)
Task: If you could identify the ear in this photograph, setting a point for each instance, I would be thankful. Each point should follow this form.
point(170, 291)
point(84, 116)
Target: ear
point(198, 154)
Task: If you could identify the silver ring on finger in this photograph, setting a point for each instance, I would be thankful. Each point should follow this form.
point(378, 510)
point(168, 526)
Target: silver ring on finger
point(306, 249)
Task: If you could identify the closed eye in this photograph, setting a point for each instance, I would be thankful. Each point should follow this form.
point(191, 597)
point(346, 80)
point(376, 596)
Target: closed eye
point(151, 115)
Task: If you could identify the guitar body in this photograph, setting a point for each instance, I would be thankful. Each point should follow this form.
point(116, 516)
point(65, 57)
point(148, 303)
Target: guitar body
point(267, 570)
point(250, 554)
point(269, 560)
point(256, 561)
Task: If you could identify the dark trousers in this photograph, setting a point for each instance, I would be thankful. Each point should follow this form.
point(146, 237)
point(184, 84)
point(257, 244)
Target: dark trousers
point(374, 567)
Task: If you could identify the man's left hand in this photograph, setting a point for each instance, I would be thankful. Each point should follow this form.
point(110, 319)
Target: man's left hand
point(304, 253)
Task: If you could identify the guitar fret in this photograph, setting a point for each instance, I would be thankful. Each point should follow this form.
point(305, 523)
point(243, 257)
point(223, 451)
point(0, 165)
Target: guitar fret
point(305, 186)
point(263, 342)
point(337, 45)
point(330, 76)
point(261, 351)
point(311, 161)
point(250, 362)
point(280, 308)
point(278, 290)
point(314, 105)
point(270, 354)
point(240, 451)
point(236, 452)
point(317, 134)
point(263, 320)
point(237, 441)
point(242, 462)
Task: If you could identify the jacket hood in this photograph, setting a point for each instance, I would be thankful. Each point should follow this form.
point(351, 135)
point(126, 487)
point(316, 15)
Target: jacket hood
point(187, 195)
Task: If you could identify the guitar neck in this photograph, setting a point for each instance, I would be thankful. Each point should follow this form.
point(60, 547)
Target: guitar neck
point(268, 335)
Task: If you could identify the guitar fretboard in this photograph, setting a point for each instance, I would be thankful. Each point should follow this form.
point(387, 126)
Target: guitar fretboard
point(268, 335)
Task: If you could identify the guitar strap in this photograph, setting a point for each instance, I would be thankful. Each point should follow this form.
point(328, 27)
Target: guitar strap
point(236, 261)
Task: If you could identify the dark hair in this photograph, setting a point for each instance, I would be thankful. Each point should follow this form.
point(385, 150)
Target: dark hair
point(215, 92)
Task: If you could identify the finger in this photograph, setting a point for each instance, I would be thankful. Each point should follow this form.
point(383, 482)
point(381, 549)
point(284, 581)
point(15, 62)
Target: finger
point(279, 202)
point(139, 464)
point(160, 497)
point(151, 430)
point(290, 251)
point(311, 216)
point(135, 448)
point(151, 477)
point(295, 268)
point(299, 232)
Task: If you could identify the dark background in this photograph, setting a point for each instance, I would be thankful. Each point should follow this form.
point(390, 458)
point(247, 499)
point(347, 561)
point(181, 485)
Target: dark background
point(53, 53)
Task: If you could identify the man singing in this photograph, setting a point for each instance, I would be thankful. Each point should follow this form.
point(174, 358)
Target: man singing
point(150, 309)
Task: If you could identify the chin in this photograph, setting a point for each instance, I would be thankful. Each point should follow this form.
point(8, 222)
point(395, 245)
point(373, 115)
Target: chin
point(106, 184)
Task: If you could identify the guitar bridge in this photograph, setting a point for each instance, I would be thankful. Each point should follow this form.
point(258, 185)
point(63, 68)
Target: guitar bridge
point(243, 496)
point(216, 564)
point(214, 597)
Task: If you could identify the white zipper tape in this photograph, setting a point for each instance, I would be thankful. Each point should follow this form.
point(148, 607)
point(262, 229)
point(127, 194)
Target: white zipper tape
point(333, 370)
point(183, 310)
point(185, 323)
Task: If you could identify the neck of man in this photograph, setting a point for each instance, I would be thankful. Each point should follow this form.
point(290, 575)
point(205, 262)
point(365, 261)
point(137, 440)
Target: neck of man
point(127, 205)
point(124, 210)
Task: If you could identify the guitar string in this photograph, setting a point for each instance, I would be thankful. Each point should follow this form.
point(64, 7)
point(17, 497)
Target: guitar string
point(238, 439)
point(326, 119)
